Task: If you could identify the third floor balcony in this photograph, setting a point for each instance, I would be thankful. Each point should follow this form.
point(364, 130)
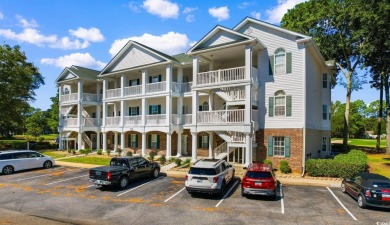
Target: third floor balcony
point(223, 76)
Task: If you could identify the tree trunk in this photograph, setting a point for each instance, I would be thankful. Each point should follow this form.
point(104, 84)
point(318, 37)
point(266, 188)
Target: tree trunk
point(346, 115)
point(386, 83)
point(380, 115)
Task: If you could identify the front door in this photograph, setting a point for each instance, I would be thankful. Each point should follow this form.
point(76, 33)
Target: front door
point(184, 144)
point(93, 140)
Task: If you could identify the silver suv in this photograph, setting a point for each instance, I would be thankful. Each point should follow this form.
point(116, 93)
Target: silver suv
point(209, 176)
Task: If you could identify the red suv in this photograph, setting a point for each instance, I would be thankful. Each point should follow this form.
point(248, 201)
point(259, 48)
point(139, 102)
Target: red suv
point(259, 180)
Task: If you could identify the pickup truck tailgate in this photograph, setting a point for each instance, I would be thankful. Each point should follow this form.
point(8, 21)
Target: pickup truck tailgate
point(99, 173)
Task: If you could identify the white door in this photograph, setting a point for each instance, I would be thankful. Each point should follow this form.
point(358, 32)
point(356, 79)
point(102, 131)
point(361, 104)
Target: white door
point(184, 144)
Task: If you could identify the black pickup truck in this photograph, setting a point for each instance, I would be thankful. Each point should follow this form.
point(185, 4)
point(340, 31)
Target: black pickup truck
point(122, 169)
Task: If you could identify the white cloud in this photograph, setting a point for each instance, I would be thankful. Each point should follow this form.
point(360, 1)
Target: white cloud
point(256, 15)
point(29, 35)
point(67, 44)
point(1, 16)
point(276, 13)
point(169, 43)
point(92, 34)
point(190, 18)
point(189, 9)
point(133, 7)
point(78, 59)
point(162, 8)
point(244, 5)
point(27, 24)
point(221, 13)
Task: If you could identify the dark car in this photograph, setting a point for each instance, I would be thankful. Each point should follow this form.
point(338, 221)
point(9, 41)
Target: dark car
point(369, 189)
point(122, 169)
point(259, 179)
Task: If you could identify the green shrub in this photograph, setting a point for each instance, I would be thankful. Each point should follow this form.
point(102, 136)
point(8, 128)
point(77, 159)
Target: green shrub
point(178, 162)
point(108, 151)
point(87, 151)
point(69, 150)
point(73, 151)
point(40, 139)
point(129, 153)
point(187, 161)
point(99, 151)
point(119, 151)
point(268, 161)
point(284, 167)
point(162, 160)
point(172, 159)
point(152, 154)
point(343, 165)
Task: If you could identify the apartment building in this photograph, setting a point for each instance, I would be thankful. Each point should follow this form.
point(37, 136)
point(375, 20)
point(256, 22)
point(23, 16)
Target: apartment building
point(252, 92)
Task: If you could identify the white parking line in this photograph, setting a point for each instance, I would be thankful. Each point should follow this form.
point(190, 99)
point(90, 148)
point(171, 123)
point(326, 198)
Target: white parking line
point(138, 187)
point(281, 199)
point(175, 194)
point(227, 193)
point(65, 180)
point(345, 208)
point(28, 178)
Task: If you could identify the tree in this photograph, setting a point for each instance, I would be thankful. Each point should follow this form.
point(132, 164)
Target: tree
point(335, 30)
point(36, 123)
point(54, 112)
point(18, 80)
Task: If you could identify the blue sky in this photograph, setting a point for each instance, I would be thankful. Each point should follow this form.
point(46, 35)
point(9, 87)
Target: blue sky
point(56, 34)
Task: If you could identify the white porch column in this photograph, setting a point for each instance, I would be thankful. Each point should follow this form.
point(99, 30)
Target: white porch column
point(248, 89)
point(60, 142)
point(143, 144)
point(194, 147)
point(211, 145)
point(168, 74)
point(104, 141)
point(115, 141)
point(144, 76)
point(79, 140)
point(169, 145)
point(80, 90)
point(123, 85)
point(122, 115)
point(123, 141)
point(195, 70)
point(179, 137)
point(168, 110)
point(143, 111)
point(234, 155)
point(115, 110)
point(211, 102)
point(98, 116)
point(195, 105)
point(104, 114)
point(98, 140)
point(248, 150)
point(180, 76)
point(242, 156)
point(60, 90)
point(105, 86)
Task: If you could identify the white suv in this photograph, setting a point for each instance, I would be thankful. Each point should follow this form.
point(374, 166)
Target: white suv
point(11, 161)
point(209, 176)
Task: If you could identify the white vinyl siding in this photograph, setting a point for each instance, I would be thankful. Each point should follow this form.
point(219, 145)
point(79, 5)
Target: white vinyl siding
point(221, 37)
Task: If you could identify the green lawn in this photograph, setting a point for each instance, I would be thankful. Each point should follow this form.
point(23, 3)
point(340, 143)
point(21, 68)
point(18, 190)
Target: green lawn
point(55, 154)
point(361, 142)
point(96, 160)
point(379, 163)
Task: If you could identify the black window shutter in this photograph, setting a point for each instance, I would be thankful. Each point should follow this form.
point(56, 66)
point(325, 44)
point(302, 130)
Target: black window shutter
point(200, 108)
point(129, 82)
point(270, 146)
point(150, 80)
point(129, 140)
point(129, 111)
point(199, 141)
point(150, 110)
point(288, 63)
point(288, 105)
point(158, 141)
point(149, 140)
point(159, 78)
point(271, 107)
point(138, 81)
point(271, 64)
point(137, 110)
point(159, 109)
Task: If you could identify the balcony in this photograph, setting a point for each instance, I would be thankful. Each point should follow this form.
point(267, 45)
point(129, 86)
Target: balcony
point(156, 87)
point(113, 93)
point(133, 90)
point(113, 121)
point(159, 119)
point(233, 116)
point(69, 97)
point(225, 76)
point(74, 97)
point(90, 122)
point(181, 120)
point(133, 120)
point(69, 122)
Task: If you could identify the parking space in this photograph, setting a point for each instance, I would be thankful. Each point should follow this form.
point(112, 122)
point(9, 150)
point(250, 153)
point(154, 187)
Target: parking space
point(63, 191)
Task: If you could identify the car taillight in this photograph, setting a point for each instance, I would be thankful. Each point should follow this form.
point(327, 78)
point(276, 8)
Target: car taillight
point(108, 175)
point(186, 177)
point(215, 180)
point(368, 193)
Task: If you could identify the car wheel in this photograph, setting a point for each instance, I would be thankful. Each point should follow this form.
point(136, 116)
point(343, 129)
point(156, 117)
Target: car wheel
point(155, 173)
point(361, 202)
point(343, 187)
point(123, 182)
point(47, 164)
point(8, 170)
point(222, 190)
point(242, 193)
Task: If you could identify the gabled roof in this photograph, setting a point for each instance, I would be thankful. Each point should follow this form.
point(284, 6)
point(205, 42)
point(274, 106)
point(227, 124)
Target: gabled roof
point(272, 26)
point(77, 72)
point(130, 43)
point(237, 37)
point(183, 58)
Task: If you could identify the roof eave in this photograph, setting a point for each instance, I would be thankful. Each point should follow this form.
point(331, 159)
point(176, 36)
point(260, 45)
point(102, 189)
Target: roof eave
point(222, 47)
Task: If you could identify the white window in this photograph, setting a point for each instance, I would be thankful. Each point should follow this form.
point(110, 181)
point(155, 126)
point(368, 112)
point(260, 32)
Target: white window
point(278, 146)
point(133, 111)
point(280, 61)
point(133, 82)
point(324, 144)
point(155, 79)
point(325, 80)
point(280, 103)
point(134, 141)
point(66, 91)
point(205, 106)
point(324, 112)
point(154, 141)
point(205, 141)
point(153, 109)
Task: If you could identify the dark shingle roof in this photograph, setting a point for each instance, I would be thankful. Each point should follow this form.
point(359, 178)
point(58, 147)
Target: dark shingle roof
point(183, 58)
point(84, 72)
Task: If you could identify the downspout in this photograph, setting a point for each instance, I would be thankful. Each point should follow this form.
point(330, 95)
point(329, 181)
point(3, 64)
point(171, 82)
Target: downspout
point(304, 111)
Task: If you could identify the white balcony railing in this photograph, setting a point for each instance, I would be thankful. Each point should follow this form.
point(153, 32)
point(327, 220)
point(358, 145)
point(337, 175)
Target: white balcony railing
point(186, 119)
point(176, 120)
point(113, 93)
point(69, 122)
point(159, 119)
point(237, 137)
point(186, 87)
point(69, 97)
point(90, 97)
point(156, 87)
point(133, 120)
point(176, 87)
point(133, 90)
point(113, 121)
point(221, 116)
point(235, 93)
point(90, 122)
point(221, 76)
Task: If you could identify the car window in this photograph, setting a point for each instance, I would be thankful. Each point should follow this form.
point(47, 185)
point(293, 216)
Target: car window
point(142, 162)
point(223, 167)
point(6, 156)
point(202, 171)
point(133, 163)
point(381, 185)
point(116, 162)
point(21, 155)
point(358, 180)
point(218, 170)
point(34, 155)
point(259, 175)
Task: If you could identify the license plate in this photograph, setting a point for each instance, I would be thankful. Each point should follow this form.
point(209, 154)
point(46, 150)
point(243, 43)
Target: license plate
point(98, 173)
point(98, 182)
point(258, 183)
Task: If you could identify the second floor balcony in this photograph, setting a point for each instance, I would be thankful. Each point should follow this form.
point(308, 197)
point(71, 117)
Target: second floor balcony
point(223, 76)
point(85, 97)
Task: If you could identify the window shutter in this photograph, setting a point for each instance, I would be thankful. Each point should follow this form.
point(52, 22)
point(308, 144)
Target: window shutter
point(271, 107)
point(270, 146)
point(288, 105)
point(159, 109)
point(159, 78)
point(129, 140)
point(158, 141)
point(288, 63)
point(150, 80)
point(208, 141)
point(136, 140)
point(129, 83)
point(287, 147)
point(149, 140)
point(137, 110)
point(271, 64)
point(129, 111)
point(150, 110)
point(324, 80)
point(200, 108)
point(138, 81)
point(199, 141)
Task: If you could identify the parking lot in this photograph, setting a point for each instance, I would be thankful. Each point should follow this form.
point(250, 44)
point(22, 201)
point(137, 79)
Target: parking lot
point(64, 194)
